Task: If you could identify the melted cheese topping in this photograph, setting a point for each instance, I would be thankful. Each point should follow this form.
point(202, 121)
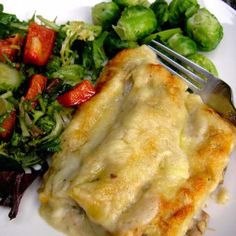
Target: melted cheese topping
point(135, 150)
point(139, 158)
point(222, 196)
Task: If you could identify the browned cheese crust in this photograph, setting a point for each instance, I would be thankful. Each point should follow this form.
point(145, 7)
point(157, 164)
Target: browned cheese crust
point(138, 159)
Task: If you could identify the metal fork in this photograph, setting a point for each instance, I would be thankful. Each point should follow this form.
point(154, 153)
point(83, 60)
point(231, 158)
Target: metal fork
point(214, 92)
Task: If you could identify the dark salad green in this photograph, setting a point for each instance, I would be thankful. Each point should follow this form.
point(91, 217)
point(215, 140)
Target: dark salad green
point(37, 129)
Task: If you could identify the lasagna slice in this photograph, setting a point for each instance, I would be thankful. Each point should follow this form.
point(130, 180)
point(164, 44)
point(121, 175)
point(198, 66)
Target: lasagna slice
point(139, 158)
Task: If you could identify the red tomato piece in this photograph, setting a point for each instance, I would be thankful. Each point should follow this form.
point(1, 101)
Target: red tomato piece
point(77, 95)
point(10, 47)
point(36, 86)
point(8, 125)
point(39, 44)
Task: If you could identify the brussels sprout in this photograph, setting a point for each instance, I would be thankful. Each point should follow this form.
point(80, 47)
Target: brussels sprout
point(105, 14)
point(166, 34)
point(160, 8)
point(162, 36)
point(204, 62)
point(204, 28)
point(178, 8)
point(190, 11)
point(135, 23)
point(182, 44)
point(114, 44)
point(128, 3)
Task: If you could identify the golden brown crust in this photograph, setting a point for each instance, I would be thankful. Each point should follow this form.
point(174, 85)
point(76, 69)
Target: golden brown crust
point(202, 136)
point(207, 163)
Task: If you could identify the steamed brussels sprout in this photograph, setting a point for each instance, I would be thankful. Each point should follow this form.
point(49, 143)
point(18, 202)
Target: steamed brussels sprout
point(105, 14)
point(114, 44)
point(191, 10)
point(164, 35)
point(161, 36)
point(128, 3)
point(204, 28)
point(135, 23)
point(182, 44)
point(160, 8)
point(178, 8)
point(204, 62)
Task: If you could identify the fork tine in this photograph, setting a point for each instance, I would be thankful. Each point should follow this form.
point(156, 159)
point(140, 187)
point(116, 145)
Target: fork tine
point(188, 62)
point(196, 78)
point(214, 92)
point(192, 86)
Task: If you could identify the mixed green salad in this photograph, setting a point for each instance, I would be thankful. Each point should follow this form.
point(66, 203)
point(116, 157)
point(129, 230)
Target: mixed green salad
point(47, 70)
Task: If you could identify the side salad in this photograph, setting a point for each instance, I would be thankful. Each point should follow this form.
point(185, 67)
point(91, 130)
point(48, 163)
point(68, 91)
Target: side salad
point(47, 70)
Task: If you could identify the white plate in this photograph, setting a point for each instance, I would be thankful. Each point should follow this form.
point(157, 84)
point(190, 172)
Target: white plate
point(222, 221)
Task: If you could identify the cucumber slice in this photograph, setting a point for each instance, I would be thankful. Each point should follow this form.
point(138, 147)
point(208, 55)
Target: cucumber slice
point(3, 106)
point(10, 78)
